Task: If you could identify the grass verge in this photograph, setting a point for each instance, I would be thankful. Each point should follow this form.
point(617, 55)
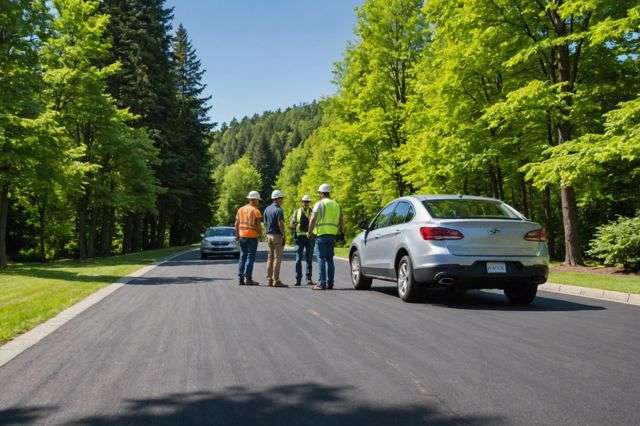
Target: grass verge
point(626, 284)
point(341, 252)
point(32, 293)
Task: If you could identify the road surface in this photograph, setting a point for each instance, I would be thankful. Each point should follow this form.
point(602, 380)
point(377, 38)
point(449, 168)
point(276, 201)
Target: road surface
point(185, 345)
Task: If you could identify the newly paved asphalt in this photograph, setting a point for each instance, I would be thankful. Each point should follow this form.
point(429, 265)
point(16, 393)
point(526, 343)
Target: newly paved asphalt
point(186, 345)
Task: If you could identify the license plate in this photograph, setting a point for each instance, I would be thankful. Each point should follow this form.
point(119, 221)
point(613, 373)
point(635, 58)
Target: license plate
point(496, 268)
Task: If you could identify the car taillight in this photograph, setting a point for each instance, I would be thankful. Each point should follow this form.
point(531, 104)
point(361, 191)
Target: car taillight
point(539, 235)
point(439, 233)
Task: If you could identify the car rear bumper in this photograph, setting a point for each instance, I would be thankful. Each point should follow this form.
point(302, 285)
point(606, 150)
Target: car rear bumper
point(219, 250)
point(476, 276)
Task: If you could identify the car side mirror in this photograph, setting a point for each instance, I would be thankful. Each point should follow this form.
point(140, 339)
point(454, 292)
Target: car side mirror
point(364, 225)
point(201, 235)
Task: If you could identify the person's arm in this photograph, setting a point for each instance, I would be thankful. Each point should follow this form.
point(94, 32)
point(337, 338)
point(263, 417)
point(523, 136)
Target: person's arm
point(312, 225)
point(281, 222)
point(293, 223)
point(341, 224)
point(259, 225)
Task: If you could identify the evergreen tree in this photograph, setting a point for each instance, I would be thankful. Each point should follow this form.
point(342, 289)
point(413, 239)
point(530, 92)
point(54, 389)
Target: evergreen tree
point(141, 42)
point(192, 174)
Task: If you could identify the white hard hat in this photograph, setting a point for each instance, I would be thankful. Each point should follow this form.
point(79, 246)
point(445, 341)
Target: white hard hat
point(254, 195)
point(325, 188)
point(276, 194)
point(305, 197)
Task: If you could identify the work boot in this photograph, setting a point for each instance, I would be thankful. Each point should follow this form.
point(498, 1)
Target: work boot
point(297, 283)
point(310, 282)
point(330, 286)
point(279, 284)
point(270, 283)
point(318, 287)
point(251, 282)
point(240, 281)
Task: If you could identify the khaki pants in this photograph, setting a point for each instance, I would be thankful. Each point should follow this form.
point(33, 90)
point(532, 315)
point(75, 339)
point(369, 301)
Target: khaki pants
point(276, 248)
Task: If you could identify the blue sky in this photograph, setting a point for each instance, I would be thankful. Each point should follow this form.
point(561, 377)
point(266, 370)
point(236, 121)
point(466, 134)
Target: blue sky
point(266, 54)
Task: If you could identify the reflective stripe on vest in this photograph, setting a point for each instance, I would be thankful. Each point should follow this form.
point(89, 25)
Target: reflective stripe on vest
point(330, 219)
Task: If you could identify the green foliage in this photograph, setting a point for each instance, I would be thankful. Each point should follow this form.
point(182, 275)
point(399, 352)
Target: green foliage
point(237, 180)
point(618, 243)
point(266, 139)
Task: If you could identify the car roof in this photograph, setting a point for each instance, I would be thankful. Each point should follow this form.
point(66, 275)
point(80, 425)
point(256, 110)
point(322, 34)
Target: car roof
point(428, 197)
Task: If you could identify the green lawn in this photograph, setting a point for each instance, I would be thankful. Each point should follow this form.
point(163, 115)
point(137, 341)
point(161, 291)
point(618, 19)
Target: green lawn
point(627, 284)
point(342, 252)
point(32, 293)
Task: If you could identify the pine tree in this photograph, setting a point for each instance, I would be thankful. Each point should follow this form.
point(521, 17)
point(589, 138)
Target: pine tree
point(141, 41)
point(192, 177)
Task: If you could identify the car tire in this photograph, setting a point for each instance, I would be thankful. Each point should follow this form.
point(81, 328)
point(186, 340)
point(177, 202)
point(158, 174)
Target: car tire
point(521, 295)
point(203, 256)
point(408, 288)
point(359, 281)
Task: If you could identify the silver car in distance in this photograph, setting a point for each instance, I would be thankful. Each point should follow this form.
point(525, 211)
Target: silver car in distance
point(455, 241)
point(219, 240)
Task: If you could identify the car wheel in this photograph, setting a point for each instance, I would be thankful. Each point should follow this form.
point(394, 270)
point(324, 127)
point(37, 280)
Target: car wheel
point(359, 281)
point(521, 294)
point(203, 256)
point(408, 289)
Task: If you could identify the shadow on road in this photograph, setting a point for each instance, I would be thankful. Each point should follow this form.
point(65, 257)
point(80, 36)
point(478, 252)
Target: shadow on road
point(194, 259)
point(307, 404)
point(22, 416)
point(484, 300)
point(175, 280)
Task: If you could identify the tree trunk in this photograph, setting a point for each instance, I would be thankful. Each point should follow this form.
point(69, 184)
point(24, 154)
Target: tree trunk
point(93, 232)
point(126, 234)
point(4, 214)
point(106, 232)
point(572, 254)
point(548, 221)
point(524, 196)
point(81, 228)
point(42, 217)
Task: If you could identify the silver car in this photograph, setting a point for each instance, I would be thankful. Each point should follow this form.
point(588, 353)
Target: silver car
point(455, 241)
point(219, 240)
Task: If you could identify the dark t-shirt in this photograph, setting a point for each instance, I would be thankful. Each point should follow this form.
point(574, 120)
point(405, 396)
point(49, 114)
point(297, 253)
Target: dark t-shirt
point(272, 216)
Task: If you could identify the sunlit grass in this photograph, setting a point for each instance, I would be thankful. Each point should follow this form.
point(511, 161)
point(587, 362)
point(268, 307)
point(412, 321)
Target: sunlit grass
point(32, 293)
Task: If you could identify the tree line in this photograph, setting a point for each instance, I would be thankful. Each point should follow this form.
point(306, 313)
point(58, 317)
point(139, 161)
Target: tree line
point(533, 102)
point(103, 130)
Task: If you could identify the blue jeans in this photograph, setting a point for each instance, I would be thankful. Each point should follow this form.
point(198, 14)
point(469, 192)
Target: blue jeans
point(304, 252)
point(325, 245)
point(248, 249)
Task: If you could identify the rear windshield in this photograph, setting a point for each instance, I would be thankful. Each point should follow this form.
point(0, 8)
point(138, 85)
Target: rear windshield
point(468, 209)
point(220, 232)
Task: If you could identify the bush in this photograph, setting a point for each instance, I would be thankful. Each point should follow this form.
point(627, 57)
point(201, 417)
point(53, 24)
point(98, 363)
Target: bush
point(618, 243)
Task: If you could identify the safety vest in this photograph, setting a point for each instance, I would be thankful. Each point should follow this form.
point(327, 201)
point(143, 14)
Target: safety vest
point(328, 217)
point(249, 221)
point(299, 219)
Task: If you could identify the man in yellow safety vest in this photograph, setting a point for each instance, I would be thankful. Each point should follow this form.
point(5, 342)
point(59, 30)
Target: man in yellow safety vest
point(326, 223)
point(300, 226)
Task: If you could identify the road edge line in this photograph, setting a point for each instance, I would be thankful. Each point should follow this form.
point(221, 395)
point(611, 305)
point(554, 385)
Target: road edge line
point(574, 290)
point(24, 341)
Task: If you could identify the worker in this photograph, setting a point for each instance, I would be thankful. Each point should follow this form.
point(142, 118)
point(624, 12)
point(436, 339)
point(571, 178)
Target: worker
point(248, 231)
point(275, 229)
point(300, 226)
point(327, 223)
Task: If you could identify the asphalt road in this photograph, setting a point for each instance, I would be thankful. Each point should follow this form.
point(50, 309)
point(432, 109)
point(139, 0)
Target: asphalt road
point(185, 345)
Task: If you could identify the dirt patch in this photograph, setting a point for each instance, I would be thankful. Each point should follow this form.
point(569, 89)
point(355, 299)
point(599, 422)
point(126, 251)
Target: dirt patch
point(601, 270)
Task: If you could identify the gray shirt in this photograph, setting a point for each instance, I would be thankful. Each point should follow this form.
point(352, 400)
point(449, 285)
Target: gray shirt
point(272, 217)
